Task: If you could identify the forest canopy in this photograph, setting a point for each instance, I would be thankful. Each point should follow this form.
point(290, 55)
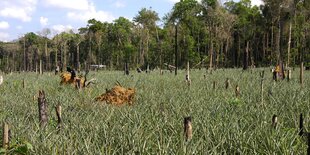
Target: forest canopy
point(206, 34)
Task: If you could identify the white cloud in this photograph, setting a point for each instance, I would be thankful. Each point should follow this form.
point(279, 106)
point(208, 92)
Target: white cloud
point(90, 13)
point(4, 37)
point(43, 21)
point(4, 25)
point(68, 4)
point(174, 1)
point(18, 9)
point(257, 2)
point(119, 4)
point(19, 27)
point(62, 28)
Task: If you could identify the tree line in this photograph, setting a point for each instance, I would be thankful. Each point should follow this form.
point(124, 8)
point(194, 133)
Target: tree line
point(206, 34)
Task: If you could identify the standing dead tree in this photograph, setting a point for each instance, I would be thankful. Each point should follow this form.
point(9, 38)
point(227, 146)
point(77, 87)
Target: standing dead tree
point(262, 75)
point(188, 80)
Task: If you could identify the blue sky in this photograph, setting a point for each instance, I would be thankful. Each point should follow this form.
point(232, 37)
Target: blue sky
point(18, 17)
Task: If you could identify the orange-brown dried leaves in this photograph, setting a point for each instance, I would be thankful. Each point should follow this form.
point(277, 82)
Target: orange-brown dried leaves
point(118, 95)
point(66, 79)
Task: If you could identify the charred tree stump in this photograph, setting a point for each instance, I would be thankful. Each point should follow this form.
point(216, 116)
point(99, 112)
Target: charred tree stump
point(289, 75)
point(58, 114)
point(274, 121)
point(126, 69)
point(41, 68)
point(24, 84)
point(237, 91)
point(188, 129)
point(227, 83)
point(5, 136)
point(262, 75)
point(187, 78)
point(42, 104)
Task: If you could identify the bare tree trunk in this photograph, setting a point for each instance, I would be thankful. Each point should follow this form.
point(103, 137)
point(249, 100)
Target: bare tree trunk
point(226, 52)
point(211, 56)
point(65, 56)
point(239, 50)
point(78, 65)
point(278, 42)
point(41, 67)
point(56, 57)
point(42, 104)
point(176, 49)
point(272, 42)
point(246, 57)
point(25, 64)
point(264, 46)
point(289, 46)
point(46, 57)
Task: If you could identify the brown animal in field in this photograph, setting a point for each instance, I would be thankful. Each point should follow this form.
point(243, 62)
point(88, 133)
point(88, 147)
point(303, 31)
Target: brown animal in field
point(118, 95)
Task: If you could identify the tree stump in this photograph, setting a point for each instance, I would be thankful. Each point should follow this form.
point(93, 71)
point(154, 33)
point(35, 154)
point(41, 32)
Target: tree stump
point(58, 114)
point(237, 91)
point(42, 104)
point(5, 136)
point(188, 129)
point(274, 121)
point(227, 83)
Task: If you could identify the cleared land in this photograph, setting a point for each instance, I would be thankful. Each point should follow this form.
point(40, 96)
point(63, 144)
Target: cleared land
point(154, 123)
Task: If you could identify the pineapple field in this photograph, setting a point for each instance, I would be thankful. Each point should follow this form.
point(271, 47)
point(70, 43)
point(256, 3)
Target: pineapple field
point(255, 120)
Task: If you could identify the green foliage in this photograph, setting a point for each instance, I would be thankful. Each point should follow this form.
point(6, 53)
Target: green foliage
point(23, 148)
point(221, 123)
point(235, 101)
point(205, 28)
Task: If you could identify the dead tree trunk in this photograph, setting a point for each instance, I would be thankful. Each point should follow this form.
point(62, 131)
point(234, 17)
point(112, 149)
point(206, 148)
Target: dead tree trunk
point(289, 46)
point(176, 49)
point(58, 114)
point(188, 130)
point(5, 136)
point(246, 57)
point(42, 104)
point(262, 75)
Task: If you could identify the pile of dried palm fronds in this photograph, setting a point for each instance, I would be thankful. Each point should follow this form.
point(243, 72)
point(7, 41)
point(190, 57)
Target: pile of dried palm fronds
point(70, 77)
point(118, 95)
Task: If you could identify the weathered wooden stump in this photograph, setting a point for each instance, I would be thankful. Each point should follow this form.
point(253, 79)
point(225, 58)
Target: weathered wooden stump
point(262, 75)
point(58, 114)
point(42, 104)
point(274, 121)
point(5, 136)
point(188, 129)
point(237, 91)
point(227, 83)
